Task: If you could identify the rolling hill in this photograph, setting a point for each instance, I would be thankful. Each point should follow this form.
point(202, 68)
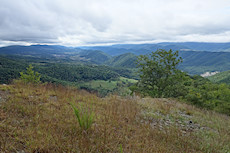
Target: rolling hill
point(95, 56)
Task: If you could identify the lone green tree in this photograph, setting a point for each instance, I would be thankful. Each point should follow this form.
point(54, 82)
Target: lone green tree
point(159, 76)
point(30, 76)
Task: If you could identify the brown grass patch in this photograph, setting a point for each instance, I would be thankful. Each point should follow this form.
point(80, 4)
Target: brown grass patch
point(40, 119)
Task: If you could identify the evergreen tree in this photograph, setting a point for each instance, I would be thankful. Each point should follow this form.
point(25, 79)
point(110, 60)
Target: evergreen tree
point(30, 76)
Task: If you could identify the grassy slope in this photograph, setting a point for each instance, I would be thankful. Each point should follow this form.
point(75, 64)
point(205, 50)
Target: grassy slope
point(40, 119)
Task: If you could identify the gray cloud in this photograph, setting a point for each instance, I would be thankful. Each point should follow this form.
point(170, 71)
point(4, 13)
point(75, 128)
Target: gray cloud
point(82, 22)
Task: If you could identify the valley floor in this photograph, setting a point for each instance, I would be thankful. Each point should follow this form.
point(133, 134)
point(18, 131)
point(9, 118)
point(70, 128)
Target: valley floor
point(39, 118)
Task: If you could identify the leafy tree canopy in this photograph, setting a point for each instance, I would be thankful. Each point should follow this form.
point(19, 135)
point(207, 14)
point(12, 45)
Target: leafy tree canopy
point(159, 76)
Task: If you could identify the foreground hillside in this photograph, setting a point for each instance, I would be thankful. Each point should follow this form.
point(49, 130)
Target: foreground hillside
point(39, 118)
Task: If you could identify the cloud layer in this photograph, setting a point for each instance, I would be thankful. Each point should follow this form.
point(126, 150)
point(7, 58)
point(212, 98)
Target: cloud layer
point(84, 22)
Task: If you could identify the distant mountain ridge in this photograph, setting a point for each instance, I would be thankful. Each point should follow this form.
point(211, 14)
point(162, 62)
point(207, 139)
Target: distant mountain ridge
point(124, 55)
point(146, 48)
point(37, 49)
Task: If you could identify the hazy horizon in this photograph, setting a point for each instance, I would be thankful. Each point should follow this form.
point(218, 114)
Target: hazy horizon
point(106, 44)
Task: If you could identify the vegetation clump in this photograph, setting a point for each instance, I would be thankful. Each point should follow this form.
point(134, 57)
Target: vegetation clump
point(84, 116)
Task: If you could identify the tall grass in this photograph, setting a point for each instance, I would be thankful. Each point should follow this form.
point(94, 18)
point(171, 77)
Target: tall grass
point(84, 117)
point(121, 149)
point(41, 119)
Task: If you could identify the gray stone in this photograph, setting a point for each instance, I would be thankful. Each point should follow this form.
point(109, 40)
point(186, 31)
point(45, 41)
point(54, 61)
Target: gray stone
point(53, 98)
point(184, 132)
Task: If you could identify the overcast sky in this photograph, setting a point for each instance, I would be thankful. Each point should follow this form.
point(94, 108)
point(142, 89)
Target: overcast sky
point(87, 22)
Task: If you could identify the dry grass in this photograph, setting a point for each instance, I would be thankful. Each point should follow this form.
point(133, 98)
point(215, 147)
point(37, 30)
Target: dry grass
point(40, 119)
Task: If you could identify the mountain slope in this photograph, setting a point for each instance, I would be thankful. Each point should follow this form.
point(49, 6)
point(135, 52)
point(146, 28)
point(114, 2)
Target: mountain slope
point(196, 62)
point(97, 57)
point(124, 60)
point(222, 77)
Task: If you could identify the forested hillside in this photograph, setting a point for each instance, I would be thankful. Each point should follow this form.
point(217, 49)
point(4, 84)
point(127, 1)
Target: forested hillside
point(9, 69)
point(201, 62)
point(124, 60)
point(222, 77)
point(96, 57)
point(65, 73)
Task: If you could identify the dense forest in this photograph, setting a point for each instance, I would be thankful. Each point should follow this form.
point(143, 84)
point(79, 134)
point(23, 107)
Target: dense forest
point(9, 69)
point(62, 71)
